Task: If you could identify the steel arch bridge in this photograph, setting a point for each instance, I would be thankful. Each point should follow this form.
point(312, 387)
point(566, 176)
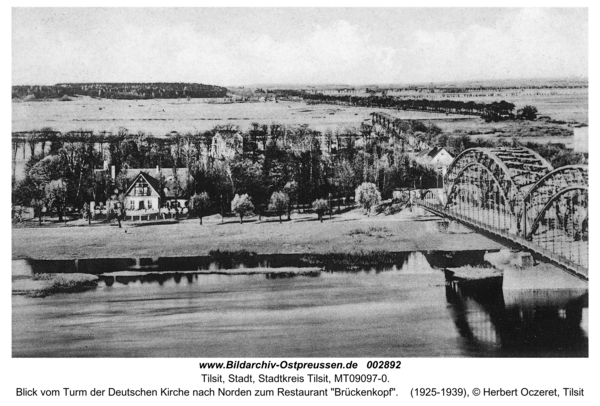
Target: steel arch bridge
point(516, 194)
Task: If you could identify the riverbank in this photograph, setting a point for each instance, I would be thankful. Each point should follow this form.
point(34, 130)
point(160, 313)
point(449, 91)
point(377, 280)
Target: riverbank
point(348, 232)
point(46, 284)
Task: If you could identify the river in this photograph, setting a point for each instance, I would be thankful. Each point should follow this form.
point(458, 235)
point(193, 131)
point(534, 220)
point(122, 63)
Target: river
point(406, 311)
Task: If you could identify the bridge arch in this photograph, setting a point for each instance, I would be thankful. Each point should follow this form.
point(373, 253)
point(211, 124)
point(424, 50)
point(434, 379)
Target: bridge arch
point(577, 192)
point(428, 196)
point(457, 188)
point(513, 170)
point(516, 194)
point(552, 184)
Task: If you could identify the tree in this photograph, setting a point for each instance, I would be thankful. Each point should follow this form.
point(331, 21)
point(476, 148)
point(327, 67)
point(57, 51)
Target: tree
point(242, 206)
point(199, 204)
point(47, 169)
point(247, 178)
point(291, 189)
point(280, 202)
point(346, 176)
point(320, 206)
point(29, 193)
point(120, 208)
point(527, 113)
point(367, 196)
point(86, 213)
point(56, 194)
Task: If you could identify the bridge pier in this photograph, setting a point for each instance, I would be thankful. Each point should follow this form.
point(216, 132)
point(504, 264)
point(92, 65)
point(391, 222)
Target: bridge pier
point(539, 284)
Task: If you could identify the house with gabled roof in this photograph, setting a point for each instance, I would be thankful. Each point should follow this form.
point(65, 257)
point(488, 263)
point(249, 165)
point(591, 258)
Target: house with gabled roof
point(148, 196)
point(143, 193)
point(438, 157)
point(149, 193)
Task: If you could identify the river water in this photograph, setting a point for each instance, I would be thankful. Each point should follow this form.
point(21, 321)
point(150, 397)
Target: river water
point(406, 311)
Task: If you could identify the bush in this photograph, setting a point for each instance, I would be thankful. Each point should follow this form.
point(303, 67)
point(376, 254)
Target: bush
point(367, 196)
point(320, 206)
point(85, 212)
point(242, 206)
point(279, 203)
point(527, 113)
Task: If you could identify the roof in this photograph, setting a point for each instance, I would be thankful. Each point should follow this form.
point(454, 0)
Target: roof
point(451, 151)
point(429, 152)
point(168, 179)
point(170, 184)
point(149, 179)
point(432, 152)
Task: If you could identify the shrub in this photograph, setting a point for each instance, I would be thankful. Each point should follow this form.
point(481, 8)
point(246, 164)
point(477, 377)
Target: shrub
point(242, 206)
point(527, 113)
point(320, 206)
point(367, 196)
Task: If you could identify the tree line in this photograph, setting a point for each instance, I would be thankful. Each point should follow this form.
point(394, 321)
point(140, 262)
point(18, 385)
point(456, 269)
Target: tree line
point(494, 111)
point(301, 163)
point(121, 90)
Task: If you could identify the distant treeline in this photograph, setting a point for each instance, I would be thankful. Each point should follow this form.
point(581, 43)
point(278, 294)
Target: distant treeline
point(434, 88)
point(494, 111)
point(473, 89)
point(120, 91)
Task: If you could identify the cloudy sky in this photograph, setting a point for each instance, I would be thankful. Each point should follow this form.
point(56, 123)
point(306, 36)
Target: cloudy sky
point(297, 46)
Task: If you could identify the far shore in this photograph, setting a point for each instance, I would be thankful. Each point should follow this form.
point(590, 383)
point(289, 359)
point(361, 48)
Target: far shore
point(303, 234)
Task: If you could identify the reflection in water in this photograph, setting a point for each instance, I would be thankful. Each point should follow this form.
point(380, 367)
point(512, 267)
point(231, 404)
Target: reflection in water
point(521, 328)
point(456, 259)
point(405, 263)
point(375, 261)
point(402, 309)
point(151, 278)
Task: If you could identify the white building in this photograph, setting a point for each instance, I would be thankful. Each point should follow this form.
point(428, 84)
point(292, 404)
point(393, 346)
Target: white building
point(439, 158)
point(143, 194)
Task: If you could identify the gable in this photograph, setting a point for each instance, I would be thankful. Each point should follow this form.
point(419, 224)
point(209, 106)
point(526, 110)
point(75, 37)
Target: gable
point(443, 157)
point(143, 178)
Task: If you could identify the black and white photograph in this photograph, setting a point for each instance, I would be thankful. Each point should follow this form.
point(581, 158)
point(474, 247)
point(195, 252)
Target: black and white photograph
point(257, 183)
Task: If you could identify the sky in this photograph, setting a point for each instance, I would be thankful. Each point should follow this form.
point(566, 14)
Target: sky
point(353, 46)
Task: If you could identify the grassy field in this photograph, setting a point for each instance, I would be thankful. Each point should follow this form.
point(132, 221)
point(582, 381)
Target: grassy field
point(159, 117)
point(349, 232)
point(539, 131)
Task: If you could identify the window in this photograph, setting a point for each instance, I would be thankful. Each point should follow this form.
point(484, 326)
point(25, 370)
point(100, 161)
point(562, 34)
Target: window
point(141, 188)
point(149, 204)
point(131, 205)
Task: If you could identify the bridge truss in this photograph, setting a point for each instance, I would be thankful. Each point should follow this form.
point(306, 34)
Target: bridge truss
point(514, 193)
